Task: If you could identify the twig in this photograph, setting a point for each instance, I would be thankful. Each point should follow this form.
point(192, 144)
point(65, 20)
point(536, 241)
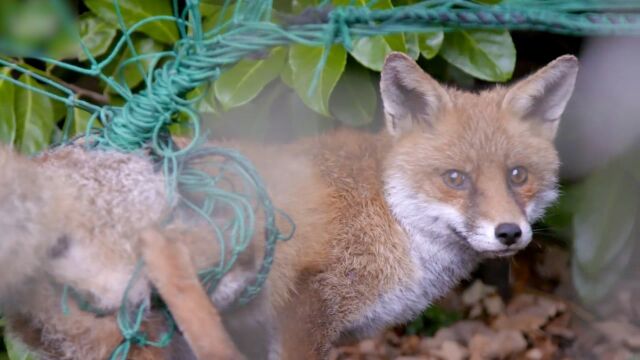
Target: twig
point(79, 91)
point(82, 92)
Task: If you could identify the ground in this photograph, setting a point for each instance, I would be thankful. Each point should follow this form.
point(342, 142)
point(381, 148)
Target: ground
point(542, 319)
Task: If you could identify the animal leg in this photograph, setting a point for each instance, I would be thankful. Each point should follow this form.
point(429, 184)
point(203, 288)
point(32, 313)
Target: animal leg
point(171, 270)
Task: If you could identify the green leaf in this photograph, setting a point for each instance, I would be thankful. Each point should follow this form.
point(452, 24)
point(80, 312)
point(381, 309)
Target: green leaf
point(204, 102)
point(207, 103)
point(80, 122)
point(215, 17)
point(300, 5)
point(287, 74)
point(96, 34)
point(486, 54)
point(246, 79)
point(7, 109)
point(58, 108)
point(432, 319)
point(304, 60)
point(605, 227)
point(303, 121)
point(34, 118)
point(413, 45)
point(488, 2)
point(354, 100)
point(277, 114)
point(134, 11)
point(28, 25)
point(17, 351)
point(207, 10)
point(283, 5)
point(430, 43)
point(62, 46)
point(252, 121)
point(558, 219)
point(129, 73)
point(371, 51)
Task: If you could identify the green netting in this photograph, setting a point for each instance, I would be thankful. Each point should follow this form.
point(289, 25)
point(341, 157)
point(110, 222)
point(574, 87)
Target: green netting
point(200, 56)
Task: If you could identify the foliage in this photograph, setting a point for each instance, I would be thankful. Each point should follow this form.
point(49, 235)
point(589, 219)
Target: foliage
point(599, 219)
point(605, 227)
point(432, 319)
point(30, 121)
point(12, 350)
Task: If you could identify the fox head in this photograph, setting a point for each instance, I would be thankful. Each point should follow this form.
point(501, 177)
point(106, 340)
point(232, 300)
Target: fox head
point(473, 168)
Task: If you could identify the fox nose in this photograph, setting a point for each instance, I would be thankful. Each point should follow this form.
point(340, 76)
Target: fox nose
point(508, 233)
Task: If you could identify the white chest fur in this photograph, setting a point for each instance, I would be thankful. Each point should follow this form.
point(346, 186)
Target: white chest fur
point(438, 267)
point(440, 259)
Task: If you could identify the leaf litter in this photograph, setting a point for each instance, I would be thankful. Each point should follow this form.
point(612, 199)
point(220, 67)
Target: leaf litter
point(541, 321)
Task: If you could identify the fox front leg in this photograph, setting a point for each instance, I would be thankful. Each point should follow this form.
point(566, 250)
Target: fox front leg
point(171, 270)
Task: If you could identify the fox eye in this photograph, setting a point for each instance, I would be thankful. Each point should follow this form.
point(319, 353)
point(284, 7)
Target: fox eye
point(456, 179)
point(518, 175)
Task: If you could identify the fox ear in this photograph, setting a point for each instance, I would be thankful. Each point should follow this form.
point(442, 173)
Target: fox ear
point(409, 95)
point(543, 96)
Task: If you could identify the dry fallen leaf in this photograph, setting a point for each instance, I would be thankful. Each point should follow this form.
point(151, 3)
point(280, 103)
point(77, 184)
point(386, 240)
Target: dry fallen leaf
point(476, 311)
point(502, 344)
point(544, 344)
point(367, 346)
point(611, 352)
point(451, 350)
point(554, 264)
point(529, 327)
point(410, 345)
point(620, 333)
point(536, 305)
point(520, 322)
point(534, 354)
point(493, 305)
point(528, 313)
point(460, 332)
point(560, 327)
point(476, 292)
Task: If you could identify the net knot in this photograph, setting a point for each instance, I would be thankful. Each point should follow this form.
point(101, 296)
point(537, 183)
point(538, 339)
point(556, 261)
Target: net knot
point(339, 29)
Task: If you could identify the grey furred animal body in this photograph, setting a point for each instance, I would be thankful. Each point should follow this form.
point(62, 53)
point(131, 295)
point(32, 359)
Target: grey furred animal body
point(72, 217)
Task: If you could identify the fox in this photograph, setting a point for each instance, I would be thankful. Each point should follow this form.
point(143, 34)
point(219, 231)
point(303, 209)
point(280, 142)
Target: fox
point(391, 221)
point(386, 223)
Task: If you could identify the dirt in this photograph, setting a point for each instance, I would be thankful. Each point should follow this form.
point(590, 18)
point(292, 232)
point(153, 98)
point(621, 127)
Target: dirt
point(542, 320)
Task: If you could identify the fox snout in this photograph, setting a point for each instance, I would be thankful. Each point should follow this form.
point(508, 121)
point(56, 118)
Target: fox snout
point(508, 233)
point(500, 238)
